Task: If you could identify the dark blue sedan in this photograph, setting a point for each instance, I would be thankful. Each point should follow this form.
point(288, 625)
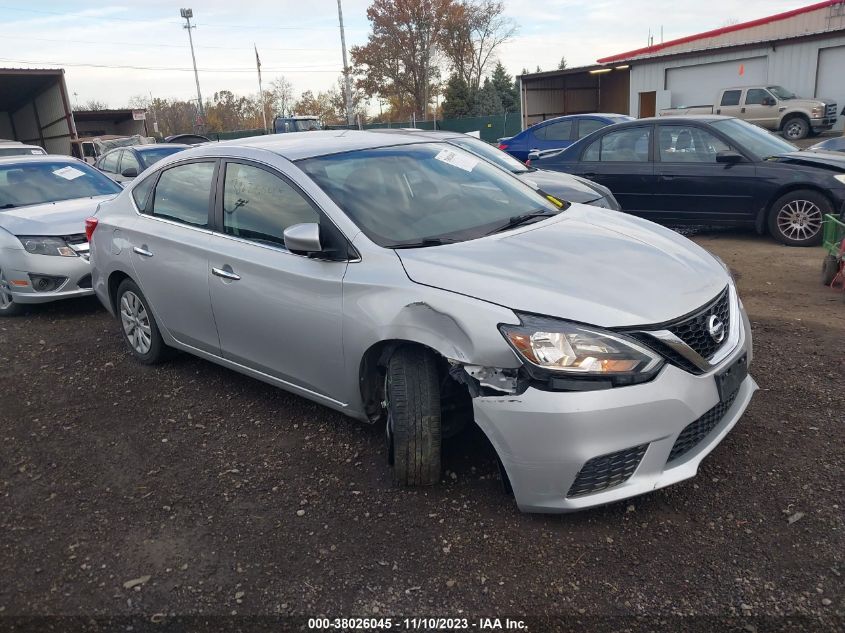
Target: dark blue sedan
point(557, 133)
point(836, 144)
point(710, 170)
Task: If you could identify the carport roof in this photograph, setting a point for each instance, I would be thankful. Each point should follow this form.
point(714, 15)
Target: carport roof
point(19, 85)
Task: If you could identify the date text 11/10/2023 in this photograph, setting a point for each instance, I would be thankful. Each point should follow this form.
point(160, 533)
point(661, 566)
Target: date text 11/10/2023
point(417, 624)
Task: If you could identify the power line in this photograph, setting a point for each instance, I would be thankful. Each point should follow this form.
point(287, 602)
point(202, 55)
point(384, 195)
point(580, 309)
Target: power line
point(291, 69)
point(145, 45)
point(202, 24)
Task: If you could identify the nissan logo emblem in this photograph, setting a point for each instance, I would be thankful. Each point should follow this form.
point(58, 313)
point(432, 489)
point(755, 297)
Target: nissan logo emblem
point(716, 328)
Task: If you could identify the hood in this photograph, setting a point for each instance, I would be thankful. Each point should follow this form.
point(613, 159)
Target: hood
point(816, 158)
point(66, 217)
point(587, 264)
point(560, 185)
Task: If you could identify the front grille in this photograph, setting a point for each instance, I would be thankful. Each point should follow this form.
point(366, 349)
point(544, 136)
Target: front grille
point(607, 471)
point(831, 110)
point(693, 330)
point(696, 431)
point(667, 352)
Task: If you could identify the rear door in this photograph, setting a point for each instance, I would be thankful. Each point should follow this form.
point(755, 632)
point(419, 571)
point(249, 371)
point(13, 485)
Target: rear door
point(277, 312)
point(170, 241)
point(691, 186)
point(621, 161)
point(555, 135)
point(729, 103)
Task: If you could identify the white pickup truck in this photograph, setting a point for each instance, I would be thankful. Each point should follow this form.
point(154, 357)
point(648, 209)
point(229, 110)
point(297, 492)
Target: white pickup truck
point(772, 107)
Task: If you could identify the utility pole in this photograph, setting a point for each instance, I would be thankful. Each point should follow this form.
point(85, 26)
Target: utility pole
point(188, 14)
point(350, 117)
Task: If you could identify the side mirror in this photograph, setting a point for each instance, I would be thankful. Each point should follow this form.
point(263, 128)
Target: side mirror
point(533, 155)
point(768, 101)
point(729, 157)
point(303, 239)
point(129, 172)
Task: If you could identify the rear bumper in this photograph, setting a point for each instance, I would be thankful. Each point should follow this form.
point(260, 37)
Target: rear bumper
point(546, 439)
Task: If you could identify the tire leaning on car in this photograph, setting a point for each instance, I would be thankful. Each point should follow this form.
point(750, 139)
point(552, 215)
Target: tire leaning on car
point(412, 396)
point(139, 327)
point(8, 307)
point(795, 219)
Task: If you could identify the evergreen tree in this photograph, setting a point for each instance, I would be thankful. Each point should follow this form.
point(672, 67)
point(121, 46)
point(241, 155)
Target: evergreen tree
point(505, 88)
point(562, 64)
point(457, 98)
point(487, 101)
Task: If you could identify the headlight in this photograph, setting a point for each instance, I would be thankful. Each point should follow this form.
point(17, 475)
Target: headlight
point(840, 178)
point(577, 350)
point(817, 112)
point(47, 246)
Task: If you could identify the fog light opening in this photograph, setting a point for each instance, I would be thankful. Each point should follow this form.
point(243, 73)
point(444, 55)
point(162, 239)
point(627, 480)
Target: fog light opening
point(46, 283)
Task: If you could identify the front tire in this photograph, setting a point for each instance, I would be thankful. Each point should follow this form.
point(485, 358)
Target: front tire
point(796, 128)
point(8, 307)
point(139, 327)
point(412, 393)
point(795, 219)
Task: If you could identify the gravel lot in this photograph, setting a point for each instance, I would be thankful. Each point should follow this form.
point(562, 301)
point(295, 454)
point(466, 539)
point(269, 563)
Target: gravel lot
point(220, 495)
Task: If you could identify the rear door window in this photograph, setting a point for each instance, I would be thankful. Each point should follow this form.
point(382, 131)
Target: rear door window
point(109, 162)
point(128, 161)
point(730, 97)
point(588, 126)
point(560, 131)
point(183, 193)
point(629, 145)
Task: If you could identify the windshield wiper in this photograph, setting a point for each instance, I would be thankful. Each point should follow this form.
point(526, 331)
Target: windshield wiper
point(519, 220)
point(423, 243)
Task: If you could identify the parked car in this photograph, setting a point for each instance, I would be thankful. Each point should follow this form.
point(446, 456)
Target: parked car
point(44, 201)
point(561, 186)
point(409, 282)
point(284, 124)
point(711, 170)
point(556, 133)
point(16, 148)
point(835, 144)
point(125, 163)
point(187, 139)
point(771, 107)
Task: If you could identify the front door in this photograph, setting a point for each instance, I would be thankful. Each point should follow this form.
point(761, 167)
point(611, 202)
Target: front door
point(170, 242)
point(277, 312)
point(692, 186)
point(760, 108)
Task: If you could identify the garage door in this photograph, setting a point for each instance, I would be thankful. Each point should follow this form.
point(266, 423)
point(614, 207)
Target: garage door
point(830, 82)
point(697, 85)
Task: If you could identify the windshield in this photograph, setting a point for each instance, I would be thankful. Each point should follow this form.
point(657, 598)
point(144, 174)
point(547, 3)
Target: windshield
point(488, 152)
point(306, 125)
point(754, 139)
point(24, 184)
point(782, 93)
point(411, 193)
point(153, 155)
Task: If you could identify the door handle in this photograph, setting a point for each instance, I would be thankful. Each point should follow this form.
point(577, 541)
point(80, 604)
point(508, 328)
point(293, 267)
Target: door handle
point(142, 251)
point(226, 274)
point(742, 110)
point(664, 177)
point(588, 175)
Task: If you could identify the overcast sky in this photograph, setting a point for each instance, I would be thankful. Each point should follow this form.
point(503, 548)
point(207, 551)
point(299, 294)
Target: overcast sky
point(301, 41)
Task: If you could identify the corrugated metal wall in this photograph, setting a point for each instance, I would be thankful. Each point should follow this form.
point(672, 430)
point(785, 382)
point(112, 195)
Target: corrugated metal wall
point(44, 119)
point(792, 65)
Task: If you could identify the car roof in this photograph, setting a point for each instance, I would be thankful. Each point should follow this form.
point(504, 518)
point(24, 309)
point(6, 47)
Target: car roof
point(433, 134)
point(145, 148)
point(39, 158)
point(300, 145)
point(695, 118)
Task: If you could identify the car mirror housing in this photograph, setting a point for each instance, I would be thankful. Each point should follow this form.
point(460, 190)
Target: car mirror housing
point(533, 155)
point(303, 239)
point(729, 156)
point(129, 172)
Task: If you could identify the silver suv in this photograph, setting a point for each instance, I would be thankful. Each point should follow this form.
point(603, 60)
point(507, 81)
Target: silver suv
point(408, 282)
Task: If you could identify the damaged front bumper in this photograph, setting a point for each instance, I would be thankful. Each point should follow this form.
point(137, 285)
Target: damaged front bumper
point(566, 451)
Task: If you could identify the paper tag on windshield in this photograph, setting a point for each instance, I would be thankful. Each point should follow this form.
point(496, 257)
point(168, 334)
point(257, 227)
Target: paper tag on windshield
point(69, 173)
point(467, 163)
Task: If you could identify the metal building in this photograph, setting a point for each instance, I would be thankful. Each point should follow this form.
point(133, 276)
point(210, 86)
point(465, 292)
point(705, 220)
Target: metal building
point(34, 108)
point(802, 50)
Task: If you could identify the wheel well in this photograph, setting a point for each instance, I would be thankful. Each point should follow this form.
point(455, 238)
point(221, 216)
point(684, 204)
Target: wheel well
point(115, 279)
point(795, 187)
point(794, 115)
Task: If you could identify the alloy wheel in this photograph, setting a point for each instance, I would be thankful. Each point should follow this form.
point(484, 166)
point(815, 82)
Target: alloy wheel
point(800, 220)
point(5, 292)
point(136, 322)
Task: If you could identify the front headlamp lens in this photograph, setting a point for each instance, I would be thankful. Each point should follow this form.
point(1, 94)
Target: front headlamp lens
point(55, 246)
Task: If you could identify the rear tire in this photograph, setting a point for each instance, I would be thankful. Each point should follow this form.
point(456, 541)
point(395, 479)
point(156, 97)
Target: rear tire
point(139, 327)
point(830, 266)
point(796, 128)
point(8, 307)
point(795, 219)
point(412, 392)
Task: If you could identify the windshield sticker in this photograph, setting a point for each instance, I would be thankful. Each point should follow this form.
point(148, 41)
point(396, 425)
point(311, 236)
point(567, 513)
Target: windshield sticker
point(466, 163)
point(69, 173)
point(35, 151)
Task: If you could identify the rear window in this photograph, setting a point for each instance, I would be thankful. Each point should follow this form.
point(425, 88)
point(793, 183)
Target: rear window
point(152, 156)
point(23, 184)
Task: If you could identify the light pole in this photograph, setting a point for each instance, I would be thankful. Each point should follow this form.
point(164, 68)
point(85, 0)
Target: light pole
point(350, 117)
point(188, 14)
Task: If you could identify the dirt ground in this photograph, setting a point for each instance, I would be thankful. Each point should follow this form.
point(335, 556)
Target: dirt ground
point(221, 496)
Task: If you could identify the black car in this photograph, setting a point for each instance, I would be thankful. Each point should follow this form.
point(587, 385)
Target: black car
point(123, 164)
point(836, 144)
point(562, 186)
point(710, 170)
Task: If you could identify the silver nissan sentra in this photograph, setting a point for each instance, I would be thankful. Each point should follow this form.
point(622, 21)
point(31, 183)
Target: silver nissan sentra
point(406, 281)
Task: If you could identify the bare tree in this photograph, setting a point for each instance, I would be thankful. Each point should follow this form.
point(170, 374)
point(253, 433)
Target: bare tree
point(92, 105)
